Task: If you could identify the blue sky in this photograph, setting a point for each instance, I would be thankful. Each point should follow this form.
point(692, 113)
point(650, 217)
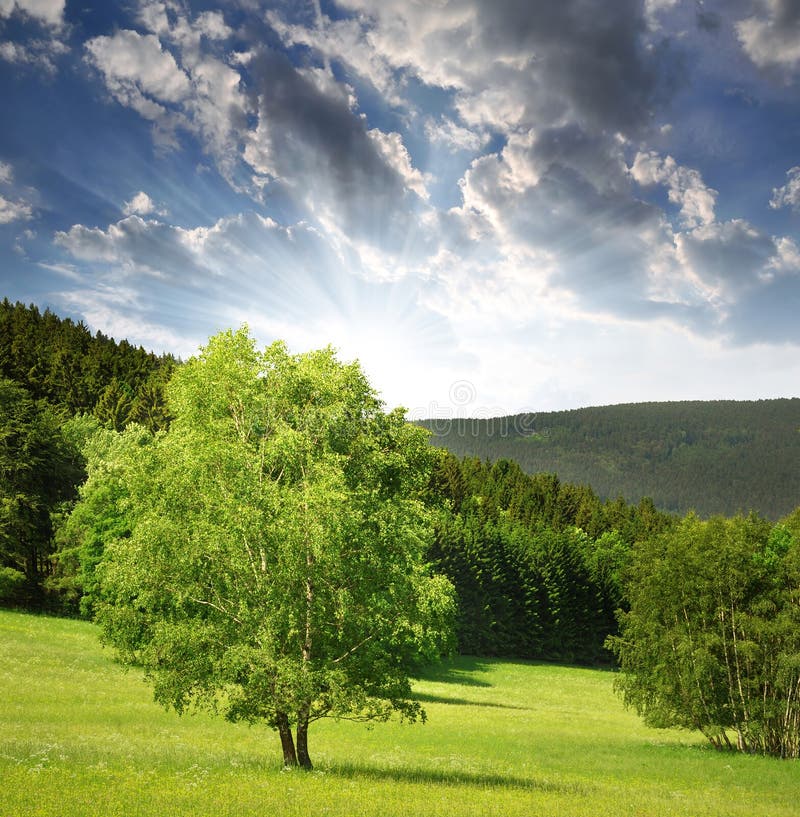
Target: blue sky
point(496, 205)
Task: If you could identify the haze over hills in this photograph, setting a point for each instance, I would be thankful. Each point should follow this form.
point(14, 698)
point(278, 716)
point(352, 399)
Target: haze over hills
point(714, 457)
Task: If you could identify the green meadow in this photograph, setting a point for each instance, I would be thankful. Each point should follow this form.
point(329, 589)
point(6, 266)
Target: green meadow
point(81, 736)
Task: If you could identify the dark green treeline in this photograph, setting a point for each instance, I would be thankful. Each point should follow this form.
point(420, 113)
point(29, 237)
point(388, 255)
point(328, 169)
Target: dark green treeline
point(538, 564)
point(58, 384)
point(712, 457)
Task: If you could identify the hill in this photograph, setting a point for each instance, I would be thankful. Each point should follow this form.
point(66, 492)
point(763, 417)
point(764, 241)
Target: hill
point(714, 457)
point(59, 361)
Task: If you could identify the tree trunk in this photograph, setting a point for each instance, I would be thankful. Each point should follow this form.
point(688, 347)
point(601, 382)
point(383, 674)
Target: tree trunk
point(287, 742)
point(302, 739)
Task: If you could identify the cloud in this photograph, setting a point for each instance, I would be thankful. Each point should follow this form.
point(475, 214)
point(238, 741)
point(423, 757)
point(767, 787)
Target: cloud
point(11, 210)
point(772, 38)
point(390, 146)
point(142, 205)
point(728, 258)
point(49, 12)
point(513, 64)
point(36, 52)
point(554, 106)
point(454, 136)
point(352, 179)
point(789, 194)
point(685, 185)
point(14, 211)
point(135, 64)
point(173, 77)
point(349, 42)
point(559, 204)
point(41, 46)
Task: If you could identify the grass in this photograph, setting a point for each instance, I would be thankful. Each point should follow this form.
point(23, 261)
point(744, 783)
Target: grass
point(80, 736)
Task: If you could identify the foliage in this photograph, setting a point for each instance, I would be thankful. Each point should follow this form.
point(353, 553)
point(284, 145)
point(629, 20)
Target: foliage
point(98, 518)
point(38, 472)
point(712, 639)
point(714, 457)
point(267, 559)
point(537, 563)
point(61, 362)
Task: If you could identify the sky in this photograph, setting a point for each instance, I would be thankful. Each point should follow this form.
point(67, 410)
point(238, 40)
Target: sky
point(497, 206)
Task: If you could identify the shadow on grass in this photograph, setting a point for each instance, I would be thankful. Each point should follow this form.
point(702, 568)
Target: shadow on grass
point(424, 698)
point(460, 670)
point(454, 777)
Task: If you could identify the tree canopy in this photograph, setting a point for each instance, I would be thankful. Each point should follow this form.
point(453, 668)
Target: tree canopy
point(269, 552)
point(39, 470)
point(712, 638)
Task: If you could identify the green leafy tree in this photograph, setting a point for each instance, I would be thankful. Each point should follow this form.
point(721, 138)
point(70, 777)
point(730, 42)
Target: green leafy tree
point(269, 562)
point(98, 518)
point(712, 638)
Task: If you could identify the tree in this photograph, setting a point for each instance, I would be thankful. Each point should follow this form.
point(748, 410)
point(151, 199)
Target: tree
point(39, 470)
point(113, 409)
point(270, 565)
point(712, 638)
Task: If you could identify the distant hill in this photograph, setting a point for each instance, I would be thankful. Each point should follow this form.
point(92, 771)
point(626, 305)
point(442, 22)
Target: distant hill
point(719, 456)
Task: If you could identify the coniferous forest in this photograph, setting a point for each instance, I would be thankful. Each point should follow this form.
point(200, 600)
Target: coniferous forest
point(542, 567)
point(712, 457)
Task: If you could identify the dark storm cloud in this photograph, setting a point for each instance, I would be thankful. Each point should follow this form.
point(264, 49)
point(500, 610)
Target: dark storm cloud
point(786, 12)
point(708, 21)
point(592, 56)
point(309, 138)
point(729, 256)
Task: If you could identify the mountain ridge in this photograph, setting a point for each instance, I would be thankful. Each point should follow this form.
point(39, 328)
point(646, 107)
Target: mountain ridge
point(710, 456)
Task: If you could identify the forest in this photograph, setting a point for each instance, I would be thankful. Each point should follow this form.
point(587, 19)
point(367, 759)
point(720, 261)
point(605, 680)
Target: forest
point(711, 457)
point(108, 453)
point(529, 555)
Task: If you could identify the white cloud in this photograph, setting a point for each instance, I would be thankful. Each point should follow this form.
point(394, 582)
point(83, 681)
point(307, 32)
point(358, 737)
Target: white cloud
point(391, 148)
point(454, 136)
point(36, 52)
point(789, 194)
point(787, 256)
point(212, 25)
point(133, 63)
point(180, 87)
point(6, 173)
point(14, 211)
point(349, 42)
point(685, 185)
point(773, 39)
point(50, 12)
point(142, 205)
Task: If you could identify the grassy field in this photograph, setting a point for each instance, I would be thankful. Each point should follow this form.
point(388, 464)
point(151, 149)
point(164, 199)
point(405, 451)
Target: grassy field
point(80, 736)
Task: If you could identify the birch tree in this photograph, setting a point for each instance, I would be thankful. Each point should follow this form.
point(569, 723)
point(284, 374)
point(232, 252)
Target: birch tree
point(274, 567)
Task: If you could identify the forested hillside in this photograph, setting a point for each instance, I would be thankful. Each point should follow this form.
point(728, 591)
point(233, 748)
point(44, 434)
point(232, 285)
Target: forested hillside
point(710, 456)
point(62, 362)
point(538, 564)
point(58, 384)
